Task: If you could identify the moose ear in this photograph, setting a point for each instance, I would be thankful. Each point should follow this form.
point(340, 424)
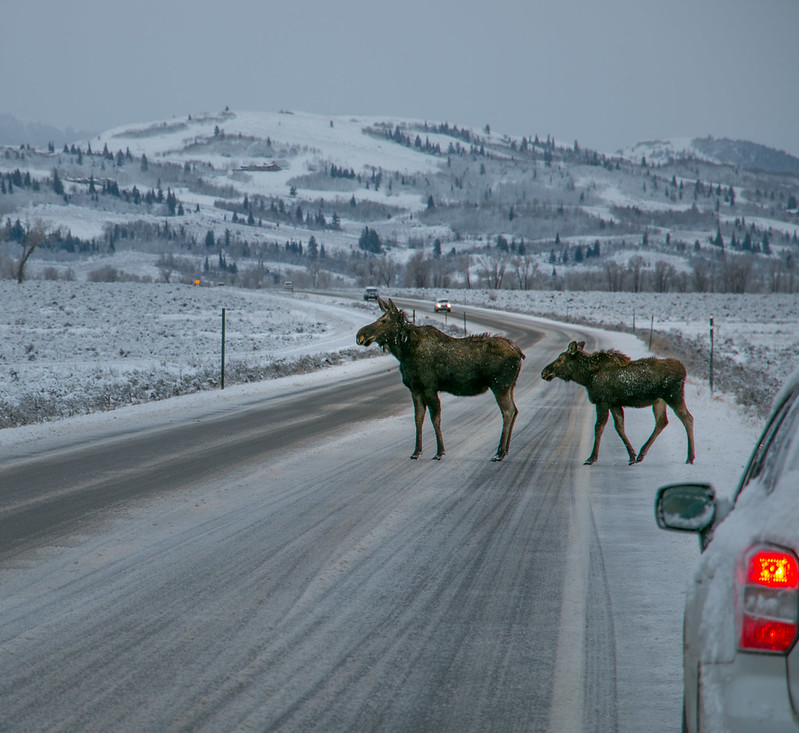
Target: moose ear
point(581, 345)
point(383, 305)
point(393, 307)
point(573, 346)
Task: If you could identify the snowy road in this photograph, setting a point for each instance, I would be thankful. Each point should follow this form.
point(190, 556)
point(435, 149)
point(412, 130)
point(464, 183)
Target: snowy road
point(273, 561)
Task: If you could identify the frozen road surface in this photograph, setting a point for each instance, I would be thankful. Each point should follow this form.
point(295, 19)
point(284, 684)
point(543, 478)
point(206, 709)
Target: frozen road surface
point(273, 561)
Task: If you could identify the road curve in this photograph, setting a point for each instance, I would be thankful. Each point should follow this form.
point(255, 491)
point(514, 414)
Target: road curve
point(287, 568)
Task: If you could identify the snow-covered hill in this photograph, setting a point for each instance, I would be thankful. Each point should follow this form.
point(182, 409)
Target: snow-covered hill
point(737, 153)
point(245, 183)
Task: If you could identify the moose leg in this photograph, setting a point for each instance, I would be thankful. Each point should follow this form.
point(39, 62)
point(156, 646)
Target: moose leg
point(681, 411)
point(418, 415)
point(661, 420)
point(509, 412)
point(434, 407)
point(618, 422)
point(599, 427)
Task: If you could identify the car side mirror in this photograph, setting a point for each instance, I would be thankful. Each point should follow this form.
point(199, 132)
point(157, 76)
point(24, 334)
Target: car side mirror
point(685, 507)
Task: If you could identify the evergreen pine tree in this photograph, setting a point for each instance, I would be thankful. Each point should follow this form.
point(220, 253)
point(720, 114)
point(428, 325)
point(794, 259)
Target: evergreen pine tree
point(58, 187)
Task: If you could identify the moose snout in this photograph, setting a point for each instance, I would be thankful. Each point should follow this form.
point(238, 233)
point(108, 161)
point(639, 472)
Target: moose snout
point(547, 374)
point(362, 339)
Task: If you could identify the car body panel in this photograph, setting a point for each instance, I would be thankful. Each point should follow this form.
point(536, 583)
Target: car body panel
point(726, 688)
point(745, 695)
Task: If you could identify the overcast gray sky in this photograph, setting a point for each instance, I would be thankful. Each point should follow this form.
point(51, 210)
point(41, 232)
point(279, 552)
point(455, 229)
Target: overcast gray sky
point(608, 73)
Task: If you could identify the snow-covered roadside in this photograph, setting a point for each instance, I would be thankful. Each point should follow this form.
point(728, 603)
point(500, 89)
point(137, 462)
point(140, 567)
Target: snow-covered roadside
point(29, 440)
point(67, 348)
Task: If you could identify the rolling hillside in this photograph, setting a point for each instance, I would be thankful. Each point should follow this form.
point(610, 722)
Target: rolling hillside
point(253, 198)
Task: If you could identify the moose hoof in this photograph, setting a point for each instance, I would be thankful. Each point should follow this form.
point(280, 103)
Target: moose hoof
point(438, 456)
point(498, 457)
point(589, 462)
point(414, 456)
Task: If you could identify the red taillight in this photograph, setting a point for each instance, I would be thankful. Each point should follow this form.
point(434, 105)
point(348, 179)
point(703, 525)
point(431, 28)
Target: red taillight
point(767, 635)
point(770, 601)
point(773, 569)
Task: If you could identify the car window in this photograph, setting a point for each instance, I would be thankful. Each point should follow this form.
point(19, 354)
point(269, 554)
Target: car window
point(778, 449)
point(785, 454)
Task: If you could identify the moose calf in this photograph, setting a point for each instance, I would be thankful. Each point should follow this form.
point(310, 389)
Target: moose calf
point(614, 382)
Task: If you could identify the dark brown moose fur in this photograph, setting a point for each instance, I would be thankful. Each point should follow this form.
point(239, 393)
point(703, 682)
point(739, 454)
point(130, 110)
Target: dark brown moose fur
point(430, 362)
point(614, 382)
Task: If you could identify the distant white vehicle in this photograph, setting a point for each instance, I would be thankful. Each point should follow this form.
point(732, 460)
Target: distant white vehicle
point(741, 657)
point(443, 304)
point(370, 293)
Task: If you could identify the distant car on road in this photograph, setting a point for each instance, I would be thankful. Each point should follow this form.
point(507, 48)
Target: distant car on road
point(370, 293)
point(740, 651)
point(443, 304)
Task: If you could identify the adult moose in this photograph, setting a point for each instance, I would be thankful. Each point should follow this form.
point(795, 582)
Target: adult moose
point(614, 381)
point(433, 362)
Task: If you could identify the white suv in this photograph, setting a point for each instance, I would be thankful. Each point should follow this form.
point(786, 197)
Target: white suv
point(741, 657)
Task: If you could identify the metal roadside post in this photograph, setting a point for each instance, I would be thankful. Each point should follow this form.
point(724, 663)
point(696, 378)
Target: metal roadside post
point(711, 353)
point(222, 380)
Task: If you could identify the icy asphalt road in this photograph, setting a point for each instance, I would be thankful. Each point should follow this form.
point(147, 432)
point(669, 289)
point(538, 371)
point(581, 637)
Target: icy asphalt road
point(273, 561)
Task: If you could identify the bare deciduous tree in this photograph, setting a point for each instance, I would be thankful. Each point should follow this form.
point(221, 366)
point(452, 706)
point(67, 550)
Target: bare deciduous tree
point(636, 269)
point(34, 236)
point(735, 272)
point(663, 276)
point(615, 276)
point(526, 268)
point(493, 269)
point(464, 267)
point(417, 271)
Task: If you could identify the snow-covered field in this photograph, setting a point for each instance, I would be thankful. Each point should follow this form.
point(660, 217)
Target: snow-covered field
point(70, 348)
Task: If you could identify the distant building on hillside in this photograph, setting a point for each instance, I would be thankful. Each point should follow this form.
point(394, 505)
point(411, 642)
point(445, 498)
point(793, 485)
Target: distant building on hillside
point(271, 167)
